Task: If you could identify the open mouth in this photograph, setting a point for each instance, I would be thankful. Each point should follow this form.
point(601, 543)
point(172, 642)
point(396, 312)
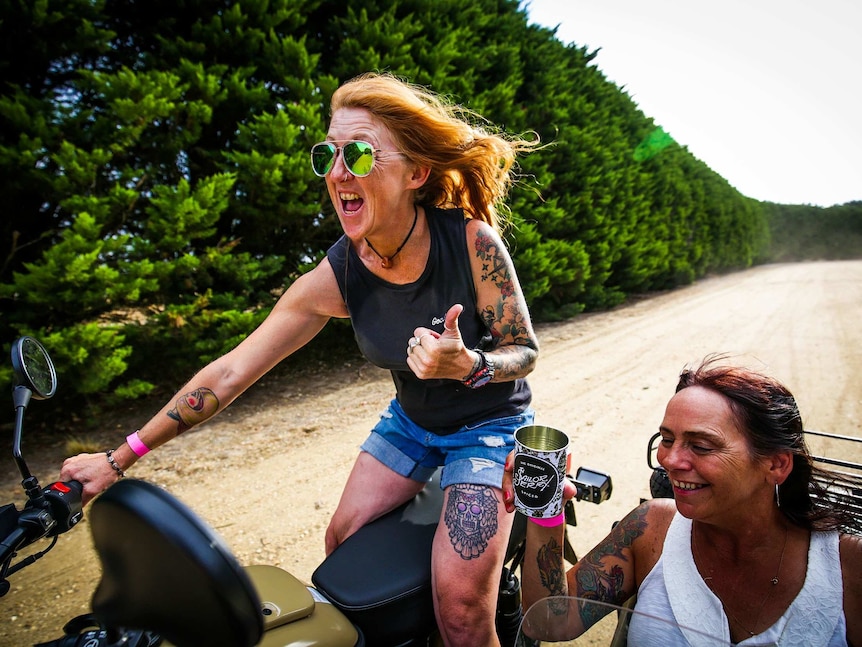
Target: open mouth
point(350, 202)
point(685, 485)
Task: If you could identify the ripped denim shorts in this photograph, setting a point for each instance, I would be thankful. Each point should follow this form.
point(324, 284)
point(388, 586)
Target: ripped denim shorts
point(475, 454)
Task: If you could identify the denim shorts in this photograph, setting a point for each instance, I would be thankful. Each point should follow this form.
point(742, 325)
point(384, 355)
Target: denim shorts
point(474, 455)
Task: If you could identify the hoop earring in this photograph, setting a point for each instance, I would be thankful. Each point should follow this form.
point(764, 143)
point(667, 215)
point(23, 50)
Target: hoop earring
point(777, 497)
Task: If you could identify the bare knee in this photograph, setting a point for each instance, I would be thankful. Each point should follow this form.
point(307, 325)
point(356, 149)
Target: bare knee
point(469, 550)
point(466, 618)
point(339, 529)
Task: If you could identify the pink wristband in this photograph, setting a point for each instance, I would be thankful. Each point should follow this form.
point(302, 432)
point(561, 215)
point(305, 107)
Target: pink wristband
point(137, 444)
point(551, 522)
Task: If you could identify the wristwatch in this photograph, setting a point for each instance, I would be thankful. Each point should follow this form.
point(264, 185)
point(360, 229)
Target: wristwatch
point(482, 375)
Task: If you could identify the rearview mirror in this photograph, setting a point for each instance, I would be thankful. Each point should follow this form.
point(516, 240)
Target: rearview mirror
point(33, 368)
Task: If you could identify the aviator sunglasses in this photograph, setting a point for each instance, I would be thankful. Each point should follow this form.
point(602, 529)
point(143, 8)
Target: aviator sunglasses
point(358, 157)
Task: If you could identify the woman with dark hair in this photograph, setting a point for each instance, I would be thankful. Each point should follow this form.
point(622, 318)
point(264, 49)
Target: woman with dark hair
point(750, 550)
point(768, 411)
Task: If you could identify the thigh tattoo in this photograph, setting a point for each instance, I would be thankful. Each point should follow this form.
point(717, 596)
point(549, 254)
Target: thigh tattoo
point(471, 517)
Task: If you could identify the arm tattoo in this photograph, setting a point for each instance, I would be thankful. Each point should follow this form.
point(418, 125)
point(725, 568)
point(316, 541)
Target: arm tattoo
point(598, 582)
point(193, 408)
point(507, 317)
point(495, 268)
point(550, 562)
point(471, 518)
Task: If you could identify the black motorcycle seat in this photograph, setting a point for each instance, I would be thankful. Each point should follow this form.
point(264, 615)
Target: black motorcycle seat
point(380, 577)
point(165, 570)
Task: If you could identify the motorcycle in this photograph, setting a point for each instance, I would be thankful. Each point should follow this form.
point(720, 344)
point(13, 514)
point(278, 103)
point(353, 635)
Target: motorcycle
point(169, 579)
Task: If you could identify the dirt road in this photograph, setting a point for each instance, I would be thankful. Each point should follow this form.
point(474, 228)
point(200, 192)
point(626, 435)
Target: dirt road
point(268, 473)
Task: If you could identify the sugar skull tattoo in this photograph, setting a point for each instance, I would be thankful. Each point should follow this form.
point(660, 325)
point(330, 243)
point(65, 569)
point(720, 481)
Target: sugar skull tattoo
point(471, 517)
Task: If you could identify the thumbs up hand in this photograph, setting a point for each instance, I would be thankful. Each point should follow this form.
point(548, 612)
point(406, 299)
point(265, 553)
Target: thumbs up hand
point(433, 355)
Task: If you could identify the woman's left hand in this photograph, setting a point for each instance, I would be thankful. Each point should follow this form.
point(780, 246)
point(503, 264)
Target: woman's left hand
point(569, 489)
point(433, 355)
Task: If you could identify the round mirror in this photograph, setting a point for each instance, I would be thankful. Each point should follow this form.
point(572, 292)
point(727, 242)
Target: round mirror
point(33, 368)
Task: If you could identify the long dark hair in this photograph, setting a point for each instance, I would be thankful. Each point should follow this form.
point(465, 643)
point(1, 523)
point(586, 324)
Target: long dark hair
point(766, 411)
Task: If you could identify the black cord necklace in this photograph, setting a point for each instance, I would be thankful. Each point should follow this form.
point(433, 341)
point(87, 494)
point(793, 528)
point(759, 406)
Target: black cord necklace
point(386, 261)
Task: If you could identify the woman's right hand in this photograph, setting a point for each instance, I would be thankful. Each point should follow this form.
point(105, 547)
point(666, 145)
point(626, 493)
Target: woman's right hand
point(508, 488)
point(93, 471)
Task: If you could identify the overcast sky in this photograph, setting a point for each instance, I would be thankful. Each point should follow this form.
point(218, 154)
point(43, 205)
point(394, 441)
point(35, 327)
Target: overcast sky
point(765, 92)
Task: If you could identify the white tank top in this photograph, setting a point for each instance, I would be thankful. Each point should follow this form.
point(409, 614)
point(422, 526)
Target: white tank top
point(675, 589)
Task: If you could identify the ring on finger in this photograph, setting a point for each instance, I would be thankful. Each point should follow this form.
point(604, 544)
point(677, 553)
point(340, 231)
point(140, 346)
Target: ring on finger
point(414, 341)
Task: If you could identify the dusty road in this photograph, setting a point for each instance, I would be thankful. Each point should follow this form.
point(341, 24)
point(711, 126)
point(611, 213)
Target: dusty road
point(268, 473)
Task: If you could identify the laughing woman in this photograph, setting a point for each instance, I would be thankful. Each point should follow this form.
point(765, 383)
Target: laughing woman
point(751, 550)
point(430, 289)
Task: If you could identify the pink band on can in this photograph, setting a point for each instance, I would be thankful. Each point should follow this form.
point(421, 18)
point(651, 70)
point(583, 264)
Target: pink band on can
point(137, 444)
point(551, 522)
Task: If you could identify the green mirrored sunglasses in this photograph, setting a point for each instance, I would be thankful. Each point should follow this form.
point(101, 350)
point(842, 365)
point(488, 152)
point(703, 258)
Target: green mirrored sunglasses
point(358, 157)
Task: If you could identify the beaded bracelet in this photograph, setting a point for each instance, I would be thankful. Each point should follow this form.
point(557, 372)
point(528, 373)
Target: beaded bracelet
point(110, 454)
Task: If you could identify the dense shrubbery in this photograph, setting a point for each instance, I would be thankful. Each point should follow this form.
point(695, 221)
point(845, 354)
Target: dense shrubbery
point(158, 197)
point(806, 233)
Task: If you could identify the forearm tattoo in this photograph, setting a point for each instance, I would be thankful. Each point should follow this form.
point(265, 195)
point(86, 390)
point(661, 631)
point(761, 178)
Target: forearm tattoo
point(193, 408)
point(549, 559)
point(471, 518)
point(597, 582)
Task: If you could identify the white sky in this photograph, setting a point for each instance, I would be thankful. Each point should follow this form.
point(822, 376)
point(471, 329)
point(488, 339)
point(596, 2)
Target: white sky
point(765, 92)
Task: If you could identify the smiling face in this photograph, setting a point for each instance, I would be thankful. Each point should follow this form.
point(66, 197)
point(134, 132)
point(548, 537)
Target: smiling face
point(367, 206)
point(714, 473)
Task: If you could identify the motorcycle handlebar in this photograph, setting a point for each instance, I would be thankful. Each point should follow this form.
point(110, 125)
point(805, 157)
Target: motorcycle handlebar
point(64, 499)
point(58, 510)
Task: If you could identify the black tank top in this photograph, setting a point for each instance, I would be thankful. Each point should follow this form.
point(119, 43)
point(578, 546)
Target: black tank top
point(384, 316)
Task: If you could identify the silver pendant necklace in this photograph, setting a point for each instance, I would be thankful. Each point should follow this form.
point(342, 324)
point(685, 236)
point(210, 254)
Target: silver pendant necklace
point(774, 581)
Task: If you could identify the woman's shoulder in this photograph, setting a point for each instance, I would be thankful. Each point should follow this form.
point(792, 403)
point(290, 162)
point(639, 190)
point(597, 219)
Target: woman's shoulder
point(481, 235)
point(644, 529)
point(660, 512)
point(850, 551)
point(647, 524)
point(851, 543)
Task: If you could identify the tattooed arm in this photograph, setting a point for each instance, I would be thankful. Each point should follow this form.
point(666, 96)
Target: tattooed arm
point(299, 315)
point(607, 573)
point(502, 305)
point(544, 570)
point(610, 572)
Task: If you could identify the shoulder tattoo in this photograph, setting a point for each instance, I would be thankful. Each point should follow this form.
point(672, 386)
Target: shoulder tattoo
point(506, 318)
point(599, 575)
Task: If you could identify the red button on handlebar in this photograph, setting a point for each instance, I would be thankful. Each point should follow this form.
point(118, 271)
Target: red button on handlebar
point(61, 487)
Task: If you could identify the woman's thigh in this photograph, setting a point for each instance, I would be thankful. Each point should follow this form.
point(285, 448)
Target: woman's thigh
point(372, 490)
point(470, 546)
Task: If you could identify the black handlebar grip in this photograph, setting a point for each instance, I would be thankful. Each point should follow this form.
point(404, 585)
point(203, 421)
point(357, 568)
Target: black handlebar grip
point(64, 499)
